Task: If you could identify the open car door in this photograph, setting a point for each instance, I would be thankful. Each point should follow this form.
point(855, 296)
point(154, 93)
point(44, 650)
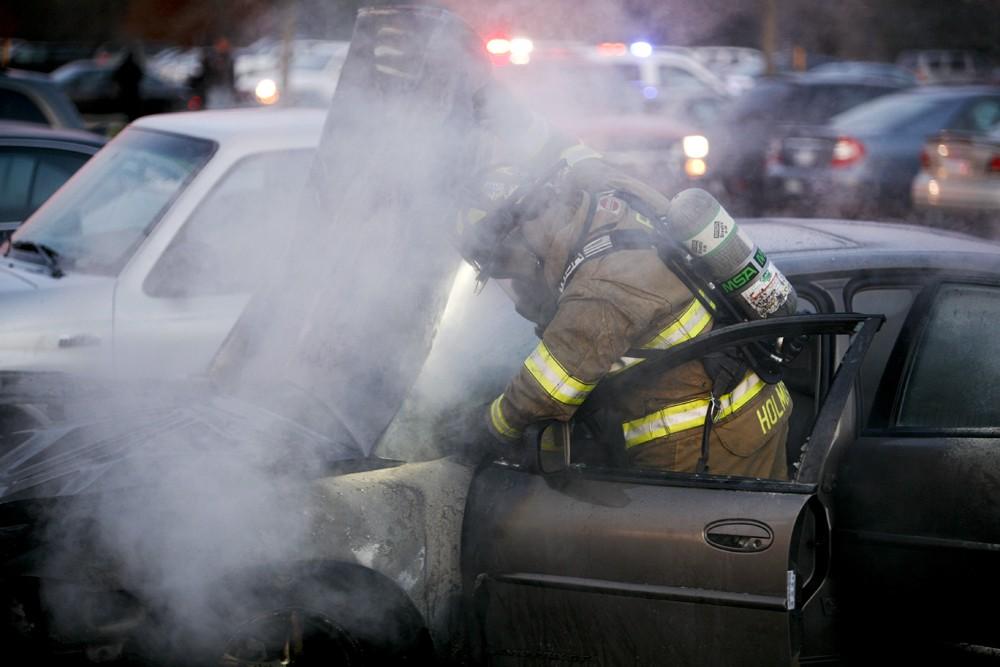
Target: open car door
point(617, 565)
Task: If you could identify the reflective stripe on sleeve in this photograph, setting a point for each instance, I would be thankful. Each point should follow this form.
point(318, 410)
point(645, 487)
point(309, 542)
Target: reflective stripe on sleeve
point(577, 153)
point(554, 379)
point(500, 424)
point(691, 414)
point(694, 320)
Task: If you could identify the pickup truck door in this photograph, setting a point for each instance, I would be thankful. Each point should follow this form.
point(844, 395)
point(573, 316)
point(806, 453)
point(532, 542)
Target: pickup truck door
point(627, 566)
point(917, 495)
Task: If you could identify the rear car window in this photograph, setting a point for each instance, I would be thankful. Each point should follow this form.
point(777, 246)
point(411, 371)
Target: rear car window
point(951, 380)
point(29, 176)
point(894, 303)
point(894, 112)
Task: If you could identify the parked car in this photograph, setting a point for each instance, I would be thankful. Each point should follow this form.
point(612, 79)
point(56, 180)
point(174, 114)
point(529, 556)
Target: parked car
point(596, 103)
point(408, 556)
point(312, 76)
point(960, 176)
point(739, 141)
point(945, 65)
point(150, 246)
point(867, 68)
point(863, 162)
point(91, 86)
point(34, 162)
point(34, 98)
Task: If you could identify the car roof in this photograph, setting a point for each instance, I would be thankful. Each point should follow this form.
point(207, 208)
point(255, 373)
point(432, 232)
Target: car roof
point(261, 125)
point(41, 85)
point(818, 246)
point(10, 129)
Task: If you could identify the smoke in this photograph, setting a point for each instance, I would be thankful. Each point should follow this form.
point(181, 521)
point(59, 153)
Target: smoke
point(188, 485)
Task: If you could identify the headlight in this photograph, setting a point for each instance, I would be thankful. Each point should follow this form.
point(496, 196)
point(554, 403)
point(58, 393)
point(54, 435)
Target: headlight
point(695, 146)
point(266, 91)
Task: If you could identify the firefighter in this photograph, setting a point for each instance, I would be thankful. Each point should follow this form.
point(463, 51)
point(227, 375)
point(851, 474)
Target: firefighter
point(540, 225)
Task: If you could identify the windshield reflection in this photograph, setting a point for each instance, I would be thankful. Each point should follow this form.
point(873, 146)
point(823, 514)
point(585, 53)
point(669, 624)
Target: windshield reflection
point(103, 212)
point(480, 344)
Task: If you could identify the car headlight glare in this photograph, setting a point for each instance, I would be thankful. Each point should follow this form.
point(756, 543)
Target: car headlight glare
point(266, 91)
point(695, 146)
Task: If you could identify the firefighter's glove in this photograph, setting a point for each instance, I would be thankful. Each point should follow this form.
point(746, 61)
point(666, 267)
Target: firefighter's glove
point(493, 443)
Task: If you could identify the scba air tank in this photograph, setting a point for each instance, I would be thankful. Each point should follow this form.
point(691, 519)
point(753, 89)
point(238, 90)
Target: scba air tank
point(733, 262)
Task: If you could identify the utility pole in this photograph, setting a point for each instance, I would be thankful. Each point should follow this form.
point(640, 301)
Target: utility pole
point(769, 33)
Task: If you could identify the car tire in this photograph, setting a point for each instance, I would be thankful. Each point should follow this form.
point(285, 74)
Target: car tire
point(311, 615)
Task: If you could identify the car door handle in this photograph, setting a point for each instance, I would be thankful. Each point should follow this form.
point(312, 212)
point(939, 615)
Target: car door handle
point(79, 340)
point(742, 535)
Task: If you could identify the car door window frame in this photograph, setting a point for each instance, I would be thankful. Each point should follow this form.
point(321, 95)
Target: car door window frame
point(892, 386)
point(811, 461)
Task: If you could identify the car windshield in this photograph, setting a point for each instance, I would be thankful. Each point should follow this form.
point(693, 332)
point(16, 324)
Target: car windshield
point(887, 114)
point(479, 345)
point(96, 220)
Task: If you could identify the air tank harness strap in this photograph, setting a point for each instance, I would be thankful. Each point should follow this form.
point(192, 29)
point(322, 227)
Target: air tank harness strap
point(617, 239)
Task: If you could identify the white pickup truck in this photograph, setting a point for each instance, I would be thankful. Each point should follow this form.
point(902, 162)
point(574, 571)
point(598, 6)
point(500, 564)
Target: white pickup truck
point(141, 263)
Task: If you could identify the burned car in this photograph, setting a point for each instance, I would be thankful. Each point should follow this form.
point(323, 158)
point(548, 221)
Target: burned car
point(411, 552)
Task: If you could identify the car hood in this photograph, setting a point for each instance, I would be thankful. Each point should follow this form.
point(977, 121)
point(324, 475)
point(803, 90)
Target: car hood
point(109, 435)
point(50, 323)
point(350, 315)
point(15, 281)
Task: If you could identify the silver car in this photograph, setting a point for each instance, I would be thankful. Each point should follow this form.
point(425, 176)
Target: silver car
point(960, 172)
point(131, 268)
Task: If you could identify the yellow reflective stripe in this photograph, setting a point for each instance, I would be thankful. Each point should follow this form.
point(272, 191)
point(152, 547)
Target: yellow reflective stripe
point(691, 414)
point(500, 423)
point(578, 153)
point(554, 379)
point(694, 320)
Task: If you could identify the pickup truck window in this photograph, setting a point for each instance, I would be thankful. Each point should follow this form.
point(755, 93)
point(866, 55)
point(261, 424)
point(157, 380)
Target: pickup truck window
point(955, 364)
point(225, 244)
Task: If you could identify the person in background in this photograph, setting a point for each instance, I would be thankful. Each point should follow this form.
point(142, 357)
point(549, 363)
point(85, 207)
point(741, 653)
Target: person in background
point(128, 78)
point(217, 82)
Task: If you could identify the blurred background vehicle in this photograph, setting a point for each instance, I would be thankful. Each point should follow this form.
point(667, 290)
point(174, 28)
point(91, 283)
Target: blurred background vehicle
point(862, 163)
point(945, 65)
point(34, 162)
point(92, 87)
point(313, 72)
point(597, 102)
point(739, 67)
point(142, 262)
point(737, 144)
point(33, 98)
point(866, 68)
point(960, 176)
point(45, 56)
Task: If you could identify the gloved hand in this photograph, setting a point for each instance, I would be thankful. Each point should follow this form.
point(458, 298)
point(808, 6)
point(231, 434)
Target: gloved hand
point(471, 437)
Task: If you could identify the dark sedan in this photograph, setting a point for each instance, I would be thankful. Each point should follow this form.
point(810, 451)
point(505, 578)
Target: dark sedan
point(738, 145)
point(34, 162)
point(885, 529)
point(862, 163)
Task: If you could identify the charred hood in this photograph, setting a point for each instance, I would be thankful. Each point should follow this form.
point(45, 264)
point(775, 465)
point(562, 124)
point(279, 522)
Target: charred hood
point(340, 333)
